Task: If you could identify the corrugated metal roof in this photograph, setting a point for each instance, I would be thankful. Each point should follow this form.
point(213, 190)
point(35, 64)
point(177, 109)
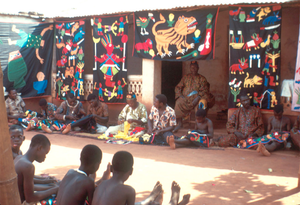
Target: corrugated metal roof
point(79, 8)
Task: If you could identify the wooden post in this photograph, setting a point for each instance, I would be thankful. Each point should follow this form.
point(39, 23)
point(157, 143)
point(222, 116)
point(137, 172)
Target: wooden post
point(9, 192)
point(299, 177)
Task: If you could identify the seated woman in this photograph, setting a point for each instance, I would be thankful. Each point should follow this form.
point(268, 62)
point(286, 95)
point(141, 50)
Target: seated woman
point(135, 113)
point(192, 90)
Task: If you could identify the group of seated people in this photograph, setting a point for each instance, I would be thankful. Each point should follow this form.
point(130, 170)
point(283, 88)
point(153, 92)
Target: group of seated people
point(79, 186)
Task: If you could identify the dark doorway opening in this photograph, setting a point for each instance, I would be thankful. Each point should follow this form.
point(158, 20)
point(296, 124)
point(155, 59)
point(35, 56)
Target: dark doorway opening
point(171, 74)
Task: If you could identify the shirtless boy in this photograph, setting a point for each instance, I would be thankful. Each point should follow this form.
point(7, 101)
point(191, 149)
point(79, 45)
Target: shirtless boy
point(77, 187)
point(16, 139)
point(105, 193)
point(203, 127)
point(39, 148)
point(277, 123)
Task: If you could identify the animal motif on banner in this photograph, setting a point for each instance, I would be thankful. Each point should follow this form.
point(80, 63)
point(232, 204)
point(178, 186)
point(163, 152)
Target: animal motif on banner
point(240, 67)
point(146, 46)
point(266, 43)
point(263, 12)
point(251, 82)
point(235, 13)
point(143, 23)
point(272, 19)
point(254, 43)
point(174, 36)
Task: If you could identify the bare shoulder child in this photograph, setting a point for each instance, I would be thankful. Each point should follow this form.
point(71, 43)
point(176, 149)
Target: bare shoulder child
point(39, 148)
point(114, 191)
point(76, 186)
point(278, 125)
point(199, 137)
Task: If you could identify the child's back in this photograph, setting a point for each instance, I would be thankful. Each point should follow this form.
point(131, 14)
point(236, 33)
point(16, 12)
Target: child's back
point(111, 192)
point(73, 188)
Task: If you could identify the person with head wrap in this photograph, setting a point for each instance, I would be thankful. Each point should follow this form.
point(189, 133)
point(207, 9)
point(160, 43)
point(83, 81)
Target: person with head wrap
point(135, 113)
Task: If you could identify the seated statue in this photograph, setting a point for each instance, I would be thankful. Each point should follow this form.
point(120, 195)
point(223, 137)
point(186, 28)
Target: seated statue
point(192, 90)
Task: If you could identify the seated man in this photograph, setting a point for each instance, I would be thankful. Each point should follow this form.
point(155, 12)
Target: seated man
point(162, 120)
point(15, 106)
point(199, 137)
point(105, 193)
point(76, 186)
point(99, 110)
point(135, 113)
point(278, 129)
point(192, 90)
point(70, 112)
point(246, 122)
point(39, 148)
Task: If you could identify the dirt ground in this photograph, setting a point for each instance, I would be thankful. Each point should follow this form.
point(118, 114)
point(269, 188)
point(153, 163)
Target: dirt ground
point(211, 176)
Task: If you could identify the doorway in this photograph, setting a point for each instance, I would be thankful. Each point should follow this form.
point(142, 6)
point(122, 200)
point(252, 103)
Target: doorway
point(171, 74)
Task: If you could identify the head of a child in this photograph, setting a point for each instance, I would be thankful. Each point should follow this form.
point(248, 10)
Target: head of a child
point(93, 100)
point(12, 93)
point(40, 146)
point(278, 111)
point(90, 158)
point(122, 163)
point(43, 104)
point(200, 115)
point(16, 136)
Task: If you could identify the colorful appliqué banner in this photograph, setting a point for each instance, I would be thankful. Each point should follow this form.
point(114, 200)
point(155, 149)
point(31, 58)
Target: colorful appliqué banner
point(70, 58)
point(175, 35)
point(26, 57)
point(254, 55)
point(110, 35)
point(296, 91)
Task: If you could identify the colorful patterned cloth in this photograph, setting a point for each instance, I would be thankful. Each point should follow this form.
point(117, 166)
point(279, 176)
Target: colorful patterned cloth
point(50, 112)
point(14, 107)
point(101, 110)
point(139, 113)
point(198, 139)
point(187, 85)
point(168, 118)
point(251, 142)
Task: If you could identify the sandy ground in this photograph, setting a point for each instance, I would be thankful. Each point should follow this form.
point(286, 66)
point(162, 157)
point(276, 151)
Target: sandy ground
point(224, 176)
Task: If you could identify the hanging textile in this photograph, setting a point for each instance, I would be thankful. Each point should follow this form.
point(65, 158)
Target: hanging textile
point(26, 57)
point(175, 35)
point(110, 35)
point(254, 55)
point(296, 90)
point(70, 58)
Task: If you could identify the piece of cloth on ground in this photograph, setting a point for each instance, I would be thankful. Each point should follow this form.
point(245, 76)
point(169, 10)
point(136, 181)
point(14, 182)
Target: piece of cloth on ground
point(251, 142)
point(160, 139)
point(51, 200)
point(198, 139)
point(118, 141)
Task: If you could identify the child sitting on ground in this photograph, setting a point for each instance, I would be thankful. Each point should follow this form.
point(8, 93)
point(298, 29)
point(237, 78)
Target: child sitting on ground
point(76, 186)
point(279, 127)
point(39, 148)
point(105, 193)
point(200, 137)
